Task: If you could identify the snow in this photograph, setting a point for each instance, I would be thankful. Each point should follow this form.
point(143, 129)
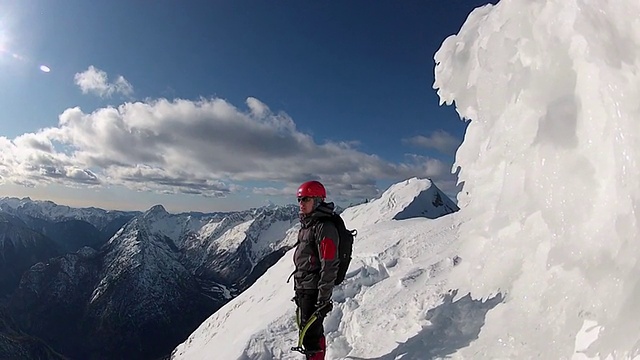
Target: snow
point(229, 240)
point(550, 172)
point(407, 196)
point(272, 239)
point(137, 252)
point(208, 229)
point(547, 234)
point(159, 221)
point(396, 263)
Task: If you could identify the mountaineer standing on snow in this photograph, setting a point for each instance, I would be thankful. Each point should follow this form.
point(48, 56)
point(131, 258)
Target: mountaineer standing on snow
point(316, 268)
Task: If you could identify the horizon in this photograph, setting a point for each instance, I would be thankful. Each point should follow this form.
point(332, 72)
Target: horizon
point(341, 206)
point(222, 107)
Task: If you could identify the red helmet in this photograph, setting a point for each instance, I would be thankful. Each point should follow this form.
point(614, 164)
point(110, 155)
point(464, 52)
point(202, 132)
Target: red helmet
point(312, 189)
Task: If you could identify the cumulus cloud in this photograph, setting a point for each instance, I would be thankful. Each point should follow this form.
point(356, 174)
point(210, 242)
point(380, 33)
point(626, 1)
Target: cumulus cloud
point(439, 140)
point(32, 160)
point(206, 147)
point(96, 81)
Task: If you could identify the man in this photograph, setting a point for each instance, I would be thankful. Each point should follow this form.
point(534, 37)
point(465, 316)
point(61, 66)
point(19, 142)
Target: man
point(316, 261)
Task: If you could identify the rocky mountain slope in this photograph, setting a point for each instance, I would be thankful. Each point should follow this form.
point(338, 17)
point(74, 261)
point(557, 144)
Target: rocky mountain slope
point(152, 284)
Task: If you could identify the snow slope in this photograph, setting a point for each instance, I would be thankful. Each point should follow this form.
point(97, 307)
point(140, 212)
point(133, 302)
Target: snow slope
point(394, 279)
point(410, 198)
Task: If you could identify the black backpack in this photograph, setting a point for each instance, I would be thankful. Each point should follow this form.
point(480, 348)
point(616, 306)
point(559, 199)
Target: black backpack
point(345, 246)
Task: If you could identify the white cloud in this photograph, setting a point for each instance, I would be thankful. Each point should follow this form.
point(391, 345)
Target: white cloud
point(257, 107)
point(439, 140)
point(206, 147)
point(96, 81)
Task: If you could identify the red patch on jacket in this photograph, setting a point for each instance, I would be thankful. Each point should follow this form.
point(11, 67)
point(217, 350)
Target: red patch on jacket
point(327, 249)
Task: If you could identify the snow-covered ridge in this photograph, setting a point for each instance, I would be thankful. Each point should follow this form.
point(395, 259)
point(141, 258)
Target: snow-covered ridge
point(407, 199)
point(218, 230)
point(137, 249)
point(223, 247)
point(50, 211)
point(398, 263)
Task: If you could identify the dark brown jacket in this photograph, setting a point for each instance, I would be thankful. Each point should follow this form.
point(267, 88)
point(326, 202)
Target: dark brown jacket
point(316, 255)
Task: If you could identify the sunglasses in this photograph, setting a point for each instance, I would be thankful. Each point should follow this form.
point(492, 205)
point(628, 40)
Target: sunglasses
point(304, 199)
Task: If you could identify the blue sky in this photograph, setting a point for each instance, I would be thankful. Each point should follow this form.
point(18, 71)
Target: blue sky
point(211, 106)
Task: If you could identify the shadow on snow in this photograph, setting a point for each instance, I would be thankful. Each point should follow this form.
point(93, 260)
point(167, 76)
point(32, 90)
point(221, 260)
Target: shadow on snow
point(454, 325)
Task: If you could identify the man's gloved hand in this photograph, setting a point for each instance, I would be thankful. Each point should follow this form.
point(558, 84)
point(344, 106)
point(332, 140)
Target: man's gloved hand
point(323, 308)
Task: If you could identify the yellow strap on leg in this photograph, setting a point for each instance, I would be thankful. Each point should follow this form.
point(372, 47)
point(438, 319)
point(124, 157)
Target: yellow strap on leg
point(306, 327)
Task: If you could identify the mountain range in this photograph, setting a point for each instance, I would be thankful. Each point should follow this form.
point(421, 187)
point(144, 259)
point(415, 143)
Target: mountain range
point(137, 290)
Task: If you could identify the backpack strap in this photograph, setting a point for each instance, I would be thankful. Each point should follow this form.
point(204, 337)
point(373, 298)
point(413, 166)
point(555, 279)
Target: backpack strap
point(293, 273)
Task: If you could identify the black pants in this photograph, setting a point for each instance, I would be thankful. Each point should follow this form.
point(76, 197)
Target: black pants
point(306, 302)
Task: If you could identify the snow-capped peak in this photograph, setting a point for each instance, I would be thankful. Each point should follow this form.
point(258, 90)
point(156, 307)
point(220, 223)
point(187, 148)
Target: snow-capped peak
point(407, 199)
point(156, 210)
point(160, 222)
point(134, 247)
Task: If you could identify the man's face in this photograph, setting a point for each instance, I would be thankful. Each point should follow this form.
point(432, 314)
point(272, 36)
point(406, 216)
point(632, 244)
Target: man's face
point(306, 204)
